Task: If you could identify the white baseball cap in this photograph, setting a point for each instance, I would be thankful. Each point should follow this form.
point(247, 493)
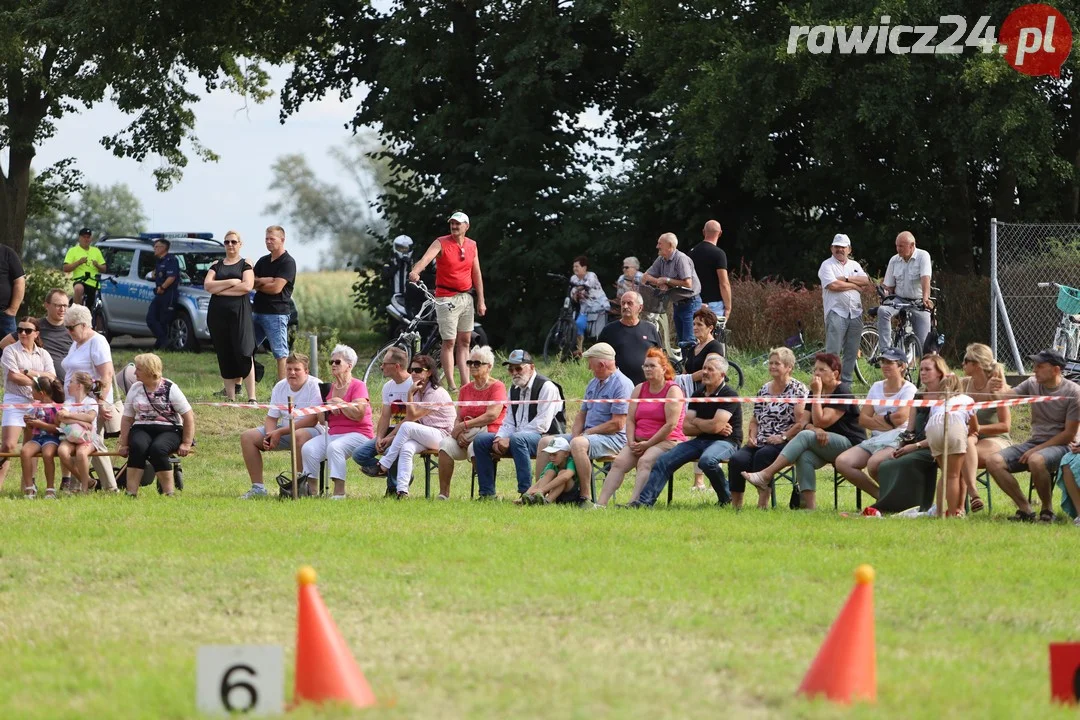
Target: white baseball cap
point(558, 444)
point(460, 217)
point(841, 240)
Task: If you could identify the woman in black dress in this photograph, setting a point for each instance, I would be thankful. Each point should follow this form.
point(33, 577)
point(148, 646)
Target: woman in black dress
point(229, 282)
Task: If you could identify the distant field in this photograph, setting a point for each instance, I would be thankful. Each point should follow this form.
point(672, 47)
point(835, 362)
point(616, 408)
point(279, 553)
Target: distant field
point(324, 301)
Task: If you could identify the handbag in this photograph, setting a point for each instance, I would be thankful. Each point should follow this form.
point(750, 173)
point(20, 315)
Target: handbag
point(76, 433)
point(110, 426)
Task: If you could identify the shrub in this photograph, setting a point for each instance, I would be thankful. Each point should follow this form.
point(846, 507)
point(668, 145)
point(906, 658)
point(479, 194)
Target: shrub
point(39, 280)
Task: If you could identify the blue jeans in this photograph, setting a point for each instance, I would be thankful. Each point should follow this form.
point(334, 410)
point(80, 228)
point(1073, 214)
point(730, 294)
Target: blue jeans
point(522, 450)
point(717, 306)
point(8, 323)
point(683, 313)
point(366, 453)
point(274, 328)
point(708, 452)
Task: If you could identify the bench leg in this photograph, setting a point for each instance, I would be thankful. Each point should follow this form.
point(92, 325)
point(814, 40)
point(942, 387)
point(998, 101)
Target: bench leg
point(322, 478)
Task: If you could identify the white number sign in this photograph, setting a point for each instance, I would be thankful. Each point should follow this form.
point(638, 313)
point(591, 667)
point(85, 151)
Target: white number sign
point(247, 679)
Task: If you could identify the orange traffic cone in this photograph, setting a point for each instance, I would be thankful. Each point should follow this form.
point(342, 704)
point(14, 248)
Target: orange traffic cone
point(845, 668)
point(325, 669)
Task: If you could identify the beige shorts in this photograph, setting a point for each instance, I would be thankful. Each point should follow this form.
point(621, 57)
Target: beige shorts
point(955, 444)
point(1000, 442)
point(450, 446)
point(458, 319)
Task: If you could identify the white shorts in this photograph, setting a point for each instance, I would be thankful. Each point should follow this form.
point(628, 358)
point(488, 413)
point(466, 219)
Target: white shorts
point(14, 417)
point(955, 444)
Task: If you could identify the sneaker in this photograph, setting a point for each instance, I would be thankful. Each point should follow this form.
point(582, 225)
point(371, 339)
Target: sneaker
point(440, 496)
point(871, 512)
point(586, 504)
point(66, 484)
point(402, 495)
point(256, 491)
point(337, 497)
point(1076, 520)
point(374, 470)
point(632, 505)
point(486, 498)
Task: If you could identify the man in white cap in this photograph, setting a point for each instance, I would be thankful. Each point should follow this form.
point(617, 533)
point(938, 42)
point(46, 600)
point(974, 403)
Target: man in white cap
point(841, 282)
point(457, 277)
point(599, 428)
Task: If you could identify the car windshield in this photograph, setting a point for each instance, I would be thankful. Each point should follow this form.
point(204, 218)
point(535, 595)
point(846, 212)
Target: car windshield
point(193, 266)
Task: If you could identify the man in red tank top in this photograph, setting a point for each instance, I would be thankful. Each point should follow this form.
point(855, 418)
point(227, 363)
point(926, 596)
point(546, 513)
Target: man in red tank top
point(457, 277)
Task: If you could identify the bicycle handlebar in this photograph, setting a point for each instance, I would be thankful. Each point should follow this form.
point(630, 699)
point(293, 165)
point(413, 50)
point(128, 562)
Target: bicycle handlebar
point(431, 298)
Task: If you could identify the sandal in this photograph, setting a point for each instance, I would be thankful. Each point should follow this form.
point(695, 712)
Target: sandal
point(755, 479)
point(1022, 516)
point(977, 505)
point(50, 493)
point(30, 493)
point(1046, 515)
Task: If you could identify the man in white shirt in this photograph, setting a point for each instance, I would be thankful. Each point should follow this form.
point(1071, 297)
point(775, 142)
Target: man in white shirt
point(274, 434)
point(841, 282)
point(523, 426)
point(394, 393)
point(907, 277)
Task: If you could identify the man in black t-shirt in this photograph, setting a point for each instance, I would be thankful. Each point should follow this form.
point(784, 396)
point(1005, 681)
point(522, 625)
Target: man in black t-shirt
point(714, 431)
point(12, 288)
point(630, 337)
point(711, 265)
point(274, 277)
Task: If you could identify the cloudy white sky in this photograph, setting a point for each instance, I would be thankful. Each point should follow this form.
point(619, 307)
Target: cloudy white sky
point(229, 194)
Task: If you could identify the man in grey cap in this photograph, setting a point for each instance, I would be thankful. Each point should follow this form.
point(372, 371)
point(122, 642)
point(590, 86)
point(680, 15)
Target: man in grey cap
point(599, 427)
point(457, 277)
point(1054, 425)
point(523, 425)
point(842, 280)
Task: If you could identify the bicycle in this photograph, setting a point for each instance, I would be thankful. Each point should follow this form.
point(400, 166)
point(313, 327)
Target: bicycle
point(1067, 333)
point(561, 341)
point(806, 352)
point(419, 336)
point(655, 311)
point(903, 336)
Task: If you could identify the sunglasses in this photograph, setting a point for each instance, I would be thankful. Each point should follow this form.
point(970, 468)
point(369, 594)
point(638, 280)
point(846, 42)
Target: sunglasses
point(27, 331)
point(232, 242)
point(337, 362)
point(473, 363)
point(515, 368)
point(72, 327)
point(462, 251)
point(417, 370)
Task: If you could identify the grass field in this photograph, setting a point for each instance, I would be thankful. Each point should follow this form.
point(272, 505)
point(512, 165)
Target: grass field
point(461, 610)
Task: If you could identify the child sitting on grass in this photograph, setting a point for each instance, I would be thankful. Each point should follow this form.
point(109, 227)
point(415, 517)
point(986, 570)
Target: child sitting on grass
point(559, 477)
point(45, 438)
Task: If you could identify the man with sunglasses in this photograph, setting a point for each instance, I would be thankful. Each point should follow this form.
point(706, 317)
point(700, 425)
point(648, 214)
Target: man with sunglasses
point(54, 336)
point(457, 277)
point(395, 368)
point(523, 426)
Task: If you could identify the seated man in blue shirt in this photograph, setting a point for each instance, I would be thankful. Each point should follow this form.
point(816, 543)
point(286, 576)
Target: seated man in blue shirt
point(715, 433)
point(599, 427)
point(166, 290)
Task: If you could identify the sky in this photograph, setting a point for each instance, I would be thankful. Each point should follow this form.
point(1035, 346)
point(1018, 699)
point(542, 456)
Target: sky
point(232, 193)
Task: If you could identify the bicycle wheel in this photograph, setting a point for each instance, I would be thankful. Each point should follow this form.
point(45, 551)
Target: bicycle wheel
point(376, 361)
point(734, 375)
point(913, 351)
point(868, 348)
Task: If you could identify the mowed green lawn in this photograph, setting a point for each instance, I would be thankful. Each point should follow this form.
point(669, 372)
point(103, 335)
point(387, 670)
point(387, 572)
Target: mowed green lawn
point(464, 609)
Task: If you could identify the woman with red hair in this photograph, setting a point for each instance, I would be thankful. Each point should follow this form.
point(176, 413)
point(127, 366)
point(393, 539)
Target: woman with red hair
point(652, 428)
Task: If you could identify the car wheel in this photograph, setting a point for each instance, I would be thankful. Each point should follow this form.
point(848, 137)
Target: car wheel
point(182, 334)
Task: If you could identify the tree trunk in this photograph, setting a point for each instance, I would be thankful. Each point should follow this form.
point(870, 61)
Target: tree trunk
point(27, 106)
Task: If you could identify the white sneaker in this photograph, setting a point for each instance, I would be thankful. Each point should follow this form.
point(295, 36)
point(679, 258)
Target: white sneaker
point(255, 492)
point(442, 497)
point(337, 497)
point(1076, 521)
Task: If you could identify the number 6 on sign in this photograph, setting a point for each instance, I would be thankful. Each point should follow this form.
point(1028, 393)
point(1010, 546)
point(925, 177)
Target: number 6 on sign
point(246, 679)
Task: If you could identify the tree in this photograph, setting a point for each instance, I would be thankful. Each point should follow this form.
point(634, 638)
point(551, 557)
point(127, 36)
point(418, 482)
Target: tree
point(321, 210)
point(59, 58)
point(480, 106)
point(104, 209)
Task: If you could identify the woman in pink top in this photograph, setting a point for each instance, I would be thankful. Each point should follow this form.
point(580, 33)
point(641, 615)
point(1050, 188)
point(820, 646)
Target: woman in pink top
point(348, 423)
point(429, 417)
point(653, 427)
point(487, 414)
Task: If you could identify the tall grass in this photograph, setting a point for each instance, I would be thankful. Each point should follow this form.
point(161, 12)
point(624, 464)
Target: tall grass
point(324, 300)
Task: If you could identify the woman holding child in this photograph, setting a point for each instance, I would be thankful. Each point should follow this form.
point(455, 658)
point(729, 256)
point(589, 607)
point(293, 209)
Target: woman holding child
point(653, 428)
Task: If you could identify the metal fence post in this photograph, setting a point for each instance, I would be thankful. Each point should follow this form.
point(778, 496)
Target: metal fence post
point(313, 361)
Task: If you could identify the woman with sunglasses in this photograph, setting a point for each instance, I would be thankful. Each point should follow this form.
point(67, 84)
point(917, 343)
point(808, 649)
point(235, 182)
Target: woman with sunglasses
point(23, 362)
point(91, 354)
point(429, 417)
point(489, 396)
point(348, 422)
point(229, 282)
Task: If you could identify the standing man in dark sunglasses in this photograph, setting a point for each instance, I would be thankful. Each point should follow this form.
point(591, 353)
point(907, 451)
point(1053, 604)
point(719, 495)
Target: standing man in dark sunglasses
point(457, 278)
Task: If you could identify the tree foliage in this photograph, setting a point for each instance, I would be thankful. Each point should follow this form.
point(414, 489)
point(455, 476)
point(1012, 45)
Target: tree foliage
point(320, 210)
point(112, 210)
point(60, 58)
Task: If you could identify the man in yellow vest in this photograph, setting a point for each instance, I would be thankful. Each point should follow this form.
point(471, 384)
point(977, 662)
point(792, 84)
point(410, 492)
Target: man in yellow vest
point(86, 263)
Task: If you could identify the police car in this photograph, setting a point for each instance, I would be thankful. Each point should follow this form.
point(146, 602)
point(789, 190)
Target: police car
point(128, 286)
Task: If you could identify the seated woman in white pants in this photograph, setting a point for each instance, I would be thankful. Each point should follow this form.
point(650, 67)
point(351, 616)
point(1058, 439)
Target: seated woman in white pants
point(347, 424)
point(429, 417)
point(488, 412)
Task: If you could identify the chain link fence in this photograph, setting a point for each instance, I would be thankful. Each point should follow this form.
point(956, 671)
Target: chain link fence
point(1024, 316)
